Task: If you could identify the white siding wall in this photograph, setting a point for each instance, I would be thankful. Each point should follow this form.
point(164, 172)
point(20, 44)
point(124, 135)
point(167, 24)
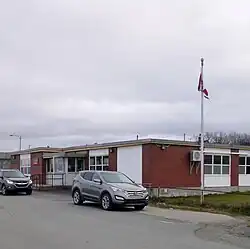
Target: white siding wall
point(218, 180)
point(244, 180)
point(102, 152)
point(69, 176)
point(244, 152)
point(25, 157)
point(217, 151)
point(129, 161)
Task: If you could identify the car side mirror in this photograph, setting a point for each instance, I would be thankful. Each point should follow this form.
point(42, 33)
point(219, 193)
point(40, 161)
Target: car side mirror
point(1, 177)
point(96, 180)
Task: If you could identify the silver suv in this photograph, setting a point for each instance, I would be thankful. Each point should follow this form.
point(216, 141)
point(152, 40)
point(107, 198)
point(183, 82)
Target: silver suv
point(14, 181)
point(109, 188)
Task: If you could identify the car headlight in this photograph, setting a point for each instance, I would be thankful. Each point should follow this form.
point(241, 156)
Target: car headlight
point(144, 190)
point(30, 181)
point(9, 181)
point(116, 189)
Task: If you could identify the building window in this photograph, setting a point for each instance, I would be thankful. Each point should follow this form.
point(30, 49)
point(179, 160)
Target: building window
point(71, 164)
point(244, 165)
point(80, 162)
point(13, 159)
point(216, 164)
point(49, 165)
point(25, 166)
point(92, 160)
point(99, 163)
point(76, 164)
point(59, 164)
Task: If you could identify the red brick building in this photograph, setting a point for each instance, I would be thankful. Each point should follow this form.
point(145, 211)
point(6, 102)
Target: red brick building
point(154, 162)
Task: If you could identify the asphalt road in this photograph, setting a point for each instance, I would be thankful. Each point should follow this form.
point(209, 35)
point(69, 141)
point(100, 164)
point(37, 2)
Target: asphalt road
point(46, 221)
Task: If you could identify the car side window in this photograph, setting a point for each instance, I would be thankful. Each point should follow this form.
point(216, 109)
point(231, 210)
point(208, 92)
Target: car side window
point(96, 176)
point(88, 176)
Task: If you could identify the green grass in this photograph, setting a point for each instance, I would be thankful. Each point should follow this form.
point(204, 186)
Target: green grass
point(235, 203)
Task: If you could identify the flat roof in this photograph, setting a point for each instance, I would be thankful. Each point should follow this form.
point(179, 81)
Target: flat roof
point(126, 143)
point(36, 150)
point(152, 141)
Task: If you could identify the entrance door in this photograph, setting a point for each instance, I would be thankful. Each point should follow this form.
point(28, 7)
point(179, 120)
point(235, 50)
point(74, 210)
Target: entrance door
point(80, 164)
point(49, 171)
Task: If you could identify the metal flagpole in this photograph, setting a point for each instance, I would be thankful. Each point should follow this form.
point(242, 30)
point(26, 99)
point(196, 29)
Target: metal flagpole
point(202, 135)
point(20, 142)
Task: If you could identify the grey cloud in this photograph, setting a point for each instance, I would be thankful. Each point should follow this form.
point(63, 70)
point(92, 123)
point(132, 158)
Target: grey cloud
point(88, 70)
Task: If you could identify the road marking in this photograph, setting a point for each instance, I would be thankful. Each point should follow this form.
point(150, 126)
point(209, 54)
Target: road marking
point(166, 222)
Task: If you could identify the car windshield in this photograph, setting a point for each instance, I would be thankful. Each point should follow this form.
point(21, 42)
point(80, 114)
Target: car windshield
point(13, 174)
point(115, 177)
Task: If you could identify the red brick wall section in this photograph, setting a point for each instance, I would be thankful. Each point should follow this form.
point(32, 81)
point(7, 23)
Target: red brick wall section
point(38, 167)
point(15, 162)
point(169, 167)
point(113, 159)
point(37, 163)
point(234, 167)
point(147, 165)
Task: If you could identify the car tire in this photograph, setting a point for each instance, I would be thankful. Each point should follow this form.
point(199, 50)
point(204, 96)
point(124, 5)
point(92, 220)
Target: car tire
point(29, 192)
point(77, 198)
point(4, 190)
point(106, 202)
point(139, 208)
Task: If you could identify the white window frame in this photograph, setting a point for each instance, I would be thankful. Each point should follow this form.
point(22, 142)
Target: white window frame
point(100, 167)
point(221, 164)
point(25, 166)
point(245, 165)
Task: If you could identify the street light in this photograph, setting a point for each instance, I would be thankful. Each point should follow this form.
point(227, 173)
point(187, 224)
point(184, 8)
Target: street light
point(20, 140)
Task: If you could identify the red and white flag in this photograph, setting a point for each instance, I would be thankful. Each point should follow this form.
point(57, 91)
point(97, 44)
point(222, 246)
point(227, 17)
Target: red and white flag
point(201, 87)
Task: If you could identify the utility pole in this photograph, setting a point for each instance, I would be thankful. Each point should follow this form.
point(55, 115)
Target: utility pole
point(20, 140)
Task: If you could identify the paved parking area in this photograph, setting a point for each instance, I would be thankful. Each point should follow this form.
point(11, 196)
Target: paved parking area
point(51, 221)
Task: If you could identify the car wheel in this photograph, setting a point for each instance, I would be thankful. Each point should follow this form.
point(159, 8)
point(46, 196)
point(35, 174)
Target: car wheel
point(106, 202)
point(139, 207)
point(77, 199)
point(29, 192)
point(4, 190)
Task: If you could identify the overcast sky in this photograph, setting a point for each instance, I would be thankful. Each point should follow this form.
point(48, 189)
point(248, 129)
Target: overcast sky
point(81, 71)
